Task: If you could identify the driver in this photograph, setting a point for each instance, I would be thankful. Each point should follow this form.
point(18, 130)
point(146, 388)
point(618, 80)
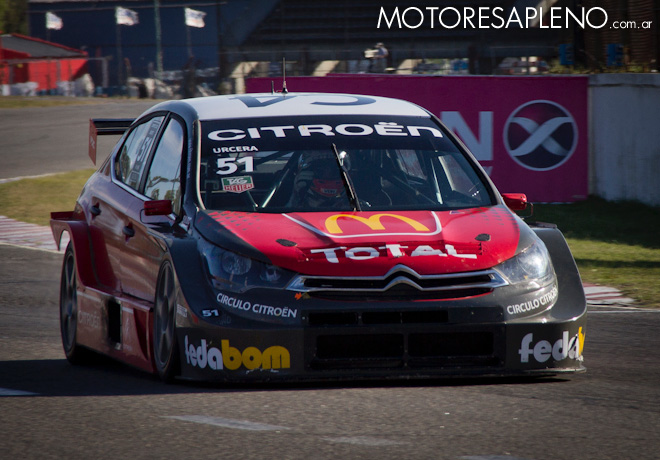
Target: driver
point(318, 183)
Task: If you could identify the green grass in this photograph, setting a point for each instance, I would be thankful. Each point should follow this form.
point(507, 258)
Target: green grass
point(614, 244)
point(17, 102)
point(32, 200)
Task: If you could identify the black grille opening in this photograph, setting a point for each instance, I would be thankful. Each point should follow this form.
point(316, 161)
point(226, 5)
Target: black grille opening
point(425, 317)
point(375, 284)
point(340, 283)
point(453, 281)
point(458, 344)
point(356, 347)
point(333, 319)
point(399, 293)
point(114, 321)
point(381, 317)
point(446, 350)
point(320, 319)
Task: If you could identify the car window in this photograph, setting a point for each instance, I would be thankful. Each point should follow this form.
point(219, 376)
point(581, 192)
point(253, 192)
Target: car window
point(289, 164)
point(164, 177)
point(134, 154)
point(460, 178)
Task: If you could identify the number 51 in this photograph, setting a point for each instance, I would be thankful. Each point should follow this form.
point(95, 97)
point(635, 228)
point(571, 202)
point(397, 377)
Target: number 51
point(230, 166)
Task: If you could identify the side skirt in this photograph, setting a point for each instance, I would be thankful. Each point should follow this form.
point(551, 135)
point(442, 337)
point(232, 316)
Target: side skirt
point(119, 327)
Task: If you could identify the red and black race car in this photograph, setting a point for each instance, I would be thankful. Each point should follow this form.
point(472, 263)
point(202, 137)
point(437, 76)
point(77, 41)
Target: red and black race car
point(309, 236)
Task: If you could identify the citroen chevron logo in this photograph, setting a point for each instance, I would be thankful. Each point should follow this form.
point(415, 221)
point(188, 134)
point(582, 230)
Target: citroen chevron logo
point(540, 135)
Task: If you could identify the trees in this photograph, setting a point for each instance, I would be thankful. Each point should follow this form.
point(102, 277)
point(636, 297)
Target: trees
point(13, 16)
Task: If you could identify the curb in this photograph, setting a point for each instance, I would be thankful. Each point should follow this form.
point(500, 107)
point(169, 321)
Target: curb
point(15, 233)
point(605, 296)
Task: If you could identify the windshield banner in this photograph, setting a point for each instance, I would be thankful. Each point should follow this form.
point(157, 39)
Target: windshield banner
point(529, 133)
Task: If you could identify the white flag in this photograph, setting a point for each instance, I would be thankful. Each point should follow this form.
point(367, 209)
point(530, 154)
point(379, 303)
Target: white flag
point(126, 17)
point(53, 21)
point(194, 18)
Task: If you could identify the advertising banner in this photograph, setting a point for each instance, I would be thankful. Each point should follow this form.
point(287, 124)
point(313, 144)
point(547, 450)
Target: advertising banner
point(529, 133)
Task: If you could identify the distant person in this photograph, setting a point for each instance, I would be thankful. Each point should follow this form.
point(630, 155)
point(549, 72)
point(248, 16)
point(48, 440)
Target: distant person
point(380, 58)
point(377, 58)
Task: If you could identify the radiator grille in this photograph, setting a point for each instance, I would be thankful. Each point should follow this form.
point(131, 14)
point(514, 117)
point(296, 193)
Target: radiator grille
point(399, 284)
point(450, 350)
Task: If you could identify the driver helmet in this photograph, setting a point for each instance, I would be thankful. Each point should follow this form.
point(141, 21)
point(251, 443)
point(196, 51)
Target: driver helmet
point(323, 175)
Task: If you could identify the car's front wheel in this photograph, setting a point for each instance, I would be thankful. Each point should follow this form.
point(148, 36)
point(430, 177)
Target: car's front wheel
point(166, 356)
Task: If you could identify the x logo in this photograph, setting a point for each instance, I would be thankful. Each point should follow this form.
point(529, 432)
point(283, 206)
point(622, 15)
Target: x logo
point(540, 135)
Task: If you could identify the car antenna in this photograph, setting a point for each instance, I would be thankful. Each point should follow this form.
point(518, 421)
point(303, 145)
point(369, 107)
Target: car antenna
point(284, 90)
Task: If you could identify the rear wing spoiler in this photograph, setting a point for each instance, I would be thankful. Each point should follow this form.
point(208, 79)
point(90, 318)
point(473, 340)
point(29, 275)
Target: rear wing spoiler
point(105, 126)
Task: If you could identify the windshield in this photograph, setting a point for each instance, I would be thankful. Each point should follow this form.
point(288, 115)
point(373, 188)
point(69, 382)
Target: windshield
point(334, 163)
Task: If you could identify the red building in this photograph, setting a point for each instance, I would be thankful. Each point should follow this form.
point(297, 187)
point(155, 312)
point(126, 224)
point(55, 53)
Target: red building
point(25, 59)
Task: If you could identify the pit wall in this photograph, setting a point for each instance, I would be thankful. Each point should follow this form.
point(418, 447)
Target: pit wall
point(624, 147)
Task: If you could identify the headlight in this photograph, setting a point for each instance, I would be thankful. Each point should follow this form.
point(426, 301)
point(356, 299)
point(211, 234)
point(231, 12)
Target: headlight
point(532, 267)
point(234, 264)
point(232, 272)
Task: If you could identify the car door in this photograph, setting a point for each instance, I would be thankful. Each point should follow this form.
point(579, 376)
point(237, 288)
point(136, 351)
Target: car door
point(161, 180)
point(111, 202)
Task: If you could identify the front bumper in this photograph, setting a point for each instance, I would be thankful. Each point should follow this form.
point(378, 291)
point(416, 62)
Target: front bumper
point(383, 344)
point(267, 335)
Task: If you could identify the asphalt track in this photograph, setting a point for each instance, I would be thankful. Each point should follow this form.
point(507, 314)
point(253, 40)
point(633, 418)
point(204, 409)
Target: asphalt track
point(45, 140)
point(50, 409)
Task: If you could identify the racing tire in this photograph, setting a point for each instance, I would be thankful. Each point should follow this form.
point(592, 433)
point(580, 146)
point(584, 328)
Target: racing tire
point(75, 354)
point(165, 345)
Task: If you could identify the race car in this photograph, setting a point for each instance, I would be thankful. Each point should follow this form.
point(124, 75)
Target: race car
point(296, 236)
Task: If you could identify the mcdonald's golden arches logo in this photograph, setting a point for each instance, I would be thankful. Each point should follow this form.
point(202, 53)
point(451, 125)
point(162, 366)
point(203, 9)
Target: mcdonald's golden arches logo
point(373, 222)
point(347, 225)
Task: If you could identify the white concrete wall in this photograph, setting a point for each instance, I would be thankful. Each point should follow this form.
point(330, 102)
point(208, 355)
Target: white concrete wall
point(625, 137)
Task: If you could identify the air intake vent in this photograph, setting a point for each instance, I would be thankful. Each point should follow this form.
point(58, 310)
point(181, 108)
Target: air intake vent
point(372, 318)
point(448, 350)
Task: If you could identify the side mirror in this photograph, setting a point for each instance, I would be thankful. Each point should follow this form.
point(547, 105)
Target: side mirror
point(158, 208)
point(515, 201)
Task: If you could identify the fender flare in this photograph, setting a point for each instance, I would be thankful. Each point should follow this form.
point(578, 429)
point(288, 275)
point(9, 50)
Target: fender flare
point(571, 302)
point(189, 273)
point(79, 239)
point(88, 249)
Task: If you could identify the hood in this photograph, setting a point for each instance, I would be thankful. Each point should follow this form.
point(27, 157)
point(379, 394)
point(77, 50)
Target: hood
point(369, 243)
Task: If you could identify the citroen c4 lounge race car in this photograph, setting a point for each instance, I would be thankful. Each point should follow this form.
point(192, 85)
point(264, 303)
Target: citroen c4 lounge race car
point(309, 236)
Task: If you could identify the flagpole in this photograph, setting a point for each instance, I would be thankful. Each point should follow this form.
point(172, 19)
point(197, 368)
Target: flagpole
point(159, 46)
point(123, 16)
point(188, 38)
point(189, 42)
point(119, 55)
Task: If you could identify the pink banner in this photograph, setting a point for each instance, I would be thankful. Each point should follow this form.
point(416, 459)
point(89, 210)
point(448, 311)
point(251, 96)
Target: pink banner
point(529, 133)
